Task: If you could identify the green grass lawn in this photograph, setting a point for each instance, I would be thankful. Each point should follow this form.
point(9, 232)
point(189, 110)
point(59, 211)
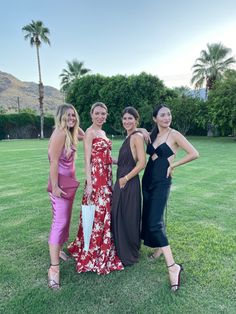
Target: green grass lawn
point(201, 226)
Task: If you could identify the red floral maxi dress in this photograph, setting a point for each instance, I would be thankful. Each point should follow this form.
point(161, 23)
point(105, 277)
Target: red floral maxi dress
point(101, 256)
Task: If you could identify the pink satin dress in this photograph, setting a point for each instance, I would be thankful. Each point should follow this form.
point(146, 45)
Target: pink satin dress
point(62, 208)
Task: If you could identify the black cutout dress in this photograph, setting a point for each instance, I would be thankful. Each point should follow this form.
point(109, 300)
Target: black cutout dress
point(155, 187)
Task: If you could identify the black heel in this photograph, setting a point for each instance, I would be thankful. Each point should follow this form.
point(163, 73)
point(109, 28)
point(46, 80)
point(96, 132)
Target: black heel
point(175, 287)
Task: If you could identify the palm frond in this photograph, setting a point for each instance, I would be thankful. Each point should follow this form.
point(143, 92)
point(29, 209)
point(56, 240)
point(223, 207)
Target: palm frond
point(211, 64)
point(75, 69)
point(37, 33)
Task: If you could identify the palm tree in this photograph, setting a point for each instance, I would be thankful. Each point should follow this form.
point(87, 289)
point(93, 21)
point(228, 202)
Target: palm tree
point(75, 70)
point(211, 65)
point(37, 33)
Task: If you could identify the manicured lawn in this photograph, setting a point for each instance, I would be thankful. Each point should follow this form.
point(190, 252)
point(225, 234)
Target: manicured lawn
point(201, 225)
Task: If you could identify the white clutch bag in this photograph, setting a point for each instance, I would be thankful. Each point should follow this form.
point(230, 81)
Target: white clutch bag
point(87, 223)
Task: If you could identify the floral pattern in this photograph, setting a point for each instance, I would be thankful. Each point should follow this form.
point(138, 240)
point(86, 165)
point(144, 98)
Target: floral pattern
point(101, 256)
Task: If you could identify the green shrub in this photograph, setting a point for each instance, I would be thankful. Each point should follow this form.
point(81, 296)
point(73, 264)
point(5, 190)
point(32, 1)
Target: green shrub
point(23, 125)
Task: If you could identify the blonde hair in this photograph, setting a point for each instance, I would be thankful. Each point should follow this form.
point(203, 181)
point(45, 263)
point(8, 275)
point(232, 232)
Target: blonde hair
point(61, 123)
point(98, 104)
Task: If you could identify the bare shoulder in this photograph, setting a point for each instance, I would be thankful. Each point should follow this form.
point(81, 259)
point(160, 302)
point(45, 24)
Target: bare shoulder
point(138, 138)
point(176, 135)
point(175, 132)
point(58, 134)
point(90, 133)
point(57, 141)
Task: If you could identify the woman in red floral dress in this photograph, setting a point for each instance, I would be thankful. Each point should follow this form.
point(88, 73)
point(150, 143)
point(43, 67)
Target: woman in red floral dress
point(101, 256)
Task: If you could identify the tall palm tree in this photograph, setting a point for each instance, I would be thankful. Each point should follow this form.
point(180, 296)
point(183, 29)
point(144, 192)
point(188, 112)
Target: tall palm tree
point(37, 33)
point(211, 65)
point(75, 70)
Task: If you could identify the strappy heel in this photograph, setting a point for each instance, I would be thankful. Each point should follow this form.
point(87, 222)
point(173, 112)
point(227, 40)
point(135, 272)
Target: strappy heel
point(53, 278)
point(176, 286)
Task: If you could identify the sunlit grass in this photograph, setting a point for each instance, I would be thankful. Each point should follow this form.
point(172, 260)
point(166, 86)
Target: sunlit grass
point(201, 226)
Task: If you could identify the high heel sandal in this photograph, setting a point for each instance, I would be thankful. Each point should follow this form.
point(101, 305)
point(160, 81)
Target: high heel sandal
point(175, 287)
point(53, 279)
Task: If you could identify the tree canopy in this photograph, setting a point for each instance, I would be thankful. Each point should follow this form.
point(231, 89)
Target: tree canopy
point(222, 104)
point(143, 91)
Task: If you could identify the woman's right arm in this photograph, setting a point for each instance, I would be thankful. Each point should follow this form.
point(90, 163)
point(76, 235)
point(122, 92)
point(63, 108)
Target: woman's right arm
point(88, 139)
point(80, 134)
point(56, 146)
point(146, 135)
point(137, 144)
point(191, 152)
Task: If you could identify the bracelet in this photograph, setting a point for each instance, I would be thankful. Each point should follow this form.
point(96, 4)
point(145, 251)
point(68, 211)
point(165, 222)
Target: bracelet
point(126, 178)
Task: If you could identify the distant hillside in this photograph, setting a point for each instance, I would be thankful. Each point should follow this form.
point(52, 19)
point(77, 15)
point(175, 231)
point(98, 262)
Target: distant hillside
point(11, 88)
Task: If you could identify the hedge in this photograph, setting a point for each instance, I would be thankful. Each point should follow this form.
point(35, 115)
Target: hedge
point(23, 125)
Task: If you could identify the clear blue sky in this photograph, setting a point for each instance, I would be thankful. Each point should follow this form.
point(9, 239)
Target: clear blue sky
point(161, 37)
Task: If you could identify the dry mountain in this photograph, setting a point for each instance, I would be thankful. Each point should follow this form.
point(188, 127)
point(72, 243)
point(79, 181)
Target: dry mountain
point(14, 91)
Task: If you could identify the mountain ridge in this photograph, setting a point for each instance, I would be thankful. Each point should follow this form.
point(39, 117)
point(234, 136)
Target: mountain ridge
point(15, 94)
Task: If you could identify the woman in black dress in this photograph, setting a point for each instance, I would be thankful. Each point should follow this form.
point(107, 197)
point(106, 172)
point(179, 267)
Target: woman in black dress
point(156, 186)
point(126, 198)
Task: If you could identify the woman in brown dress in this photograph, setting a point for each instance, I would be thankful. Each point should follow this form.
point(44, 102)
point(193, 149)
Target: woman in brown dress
point(126, 198)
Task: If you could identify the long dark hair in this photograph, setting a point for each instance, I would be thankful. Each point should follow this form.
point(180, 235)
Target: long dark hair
point(155, 130)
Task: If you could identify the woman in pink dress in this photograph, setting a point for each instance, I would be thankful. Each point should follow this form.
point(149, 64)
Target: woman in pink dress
point(61, 153)
point(101, 256)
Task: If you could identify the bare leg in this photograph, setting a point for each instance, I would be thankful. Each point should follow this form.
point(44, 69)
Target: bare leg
point(156, 253)
point(173, 268)
point(54, 250)
point(63, 255)
point(53, 272)
point(56, 253)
